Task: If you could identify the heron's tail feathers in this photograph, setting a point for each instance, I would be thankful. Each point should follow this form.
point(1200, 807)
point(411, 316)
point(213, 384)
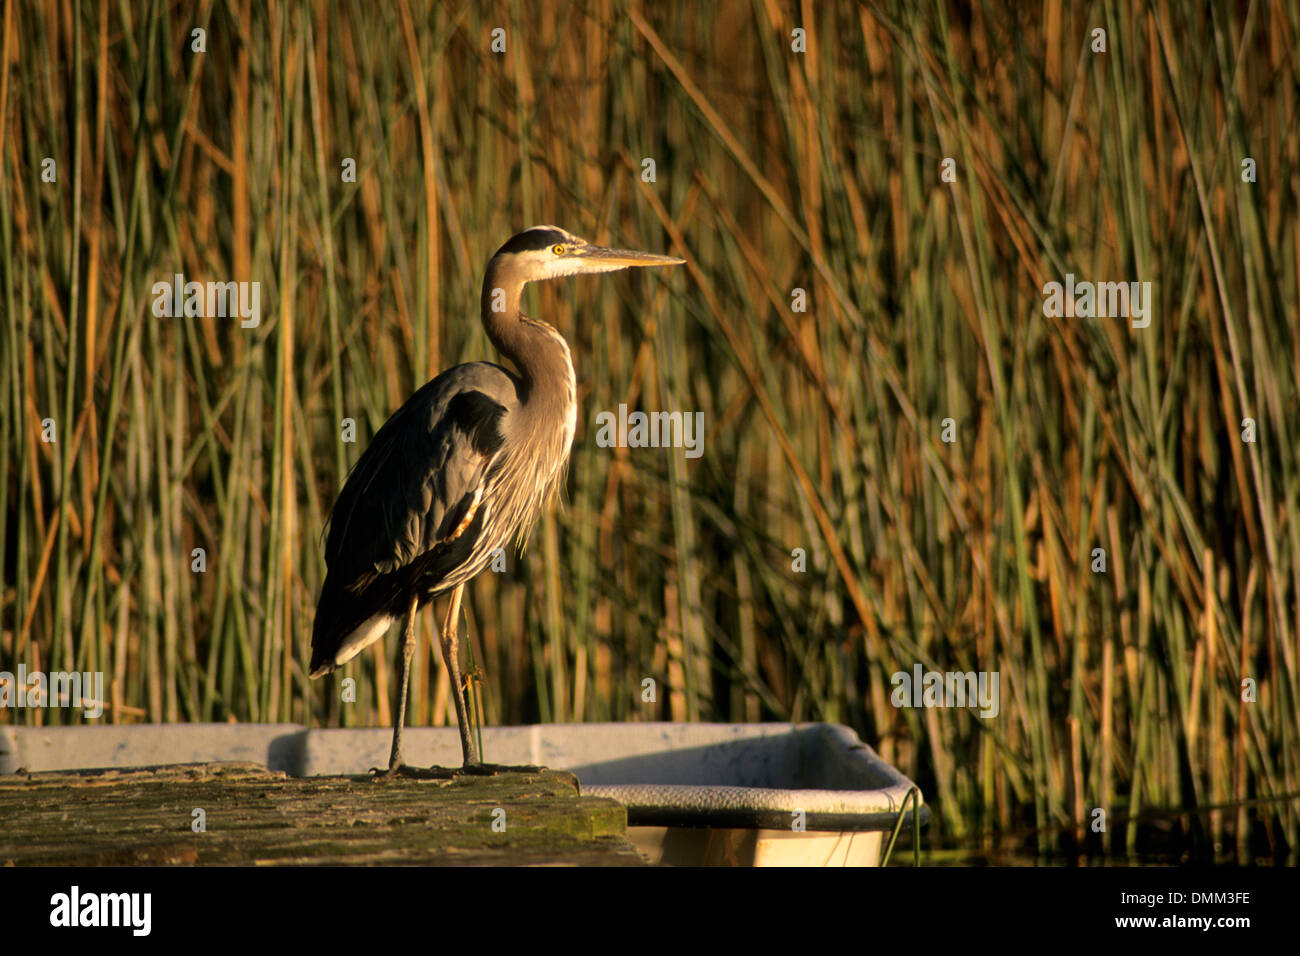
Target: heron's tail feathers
point(352, 645)
point(346, 624)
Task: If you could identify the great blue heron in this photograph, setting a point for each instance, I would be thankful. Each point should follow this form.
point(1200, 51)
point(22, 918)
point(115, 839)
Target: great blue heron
point(457, 472)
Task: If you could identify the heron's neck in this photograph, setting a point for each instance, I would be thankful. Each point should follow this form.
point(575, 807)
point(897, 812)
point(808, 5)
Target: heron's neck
point(536, 349)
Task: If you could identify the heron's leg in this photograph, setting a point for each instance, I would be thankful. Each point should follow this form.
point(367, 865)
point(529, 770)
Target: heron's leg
point(408, 649)
point(449, 654)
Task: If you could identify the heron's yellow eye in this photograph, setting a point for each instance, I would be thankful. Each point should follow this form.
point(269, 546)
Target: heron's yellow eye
point(558, 250)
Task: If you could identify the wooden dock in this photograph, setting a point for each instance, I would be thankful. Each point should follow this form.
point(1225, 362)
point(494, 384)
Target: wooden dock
point(243, 814)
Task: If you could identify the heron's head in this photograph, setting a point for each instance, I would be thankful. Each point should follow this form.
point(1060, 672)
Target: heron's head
point(548, 252)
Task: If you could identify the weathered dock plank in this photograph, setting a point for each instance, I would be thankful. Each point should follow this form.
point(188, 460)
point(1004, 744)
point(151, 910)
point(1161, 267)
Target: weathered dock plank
point(252, 816)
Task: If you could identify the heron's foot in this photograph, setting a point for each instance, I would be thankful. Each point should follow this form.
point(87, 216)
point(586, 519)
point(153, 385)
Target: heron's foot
point(492, 769)
point(416, 773)
point(451, 773)
point(395, 771)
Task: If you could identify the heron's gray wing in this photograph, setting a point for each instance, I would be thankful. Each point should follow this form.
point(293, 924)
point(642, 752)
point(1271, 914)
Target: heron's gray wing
point(419, 477)
point(410, 501)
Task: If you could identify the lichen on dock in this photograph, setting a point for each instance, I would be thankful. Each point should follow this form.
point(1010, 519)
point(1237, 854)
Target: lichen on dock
point(243, 814)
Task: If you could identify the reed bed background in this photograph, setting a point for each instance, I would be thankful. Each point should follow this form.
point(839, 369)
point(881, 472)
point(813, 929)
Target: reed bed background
point(774, 171)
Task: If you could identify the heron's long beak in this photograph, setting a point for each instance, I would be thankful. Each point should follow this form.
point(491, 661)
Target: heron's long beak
point(625, 258)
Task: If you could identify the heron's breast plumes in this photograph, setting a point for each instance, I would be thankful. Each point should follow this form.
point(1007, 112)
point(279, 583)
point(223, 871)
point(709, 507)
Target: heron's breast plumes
point(538, 435)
